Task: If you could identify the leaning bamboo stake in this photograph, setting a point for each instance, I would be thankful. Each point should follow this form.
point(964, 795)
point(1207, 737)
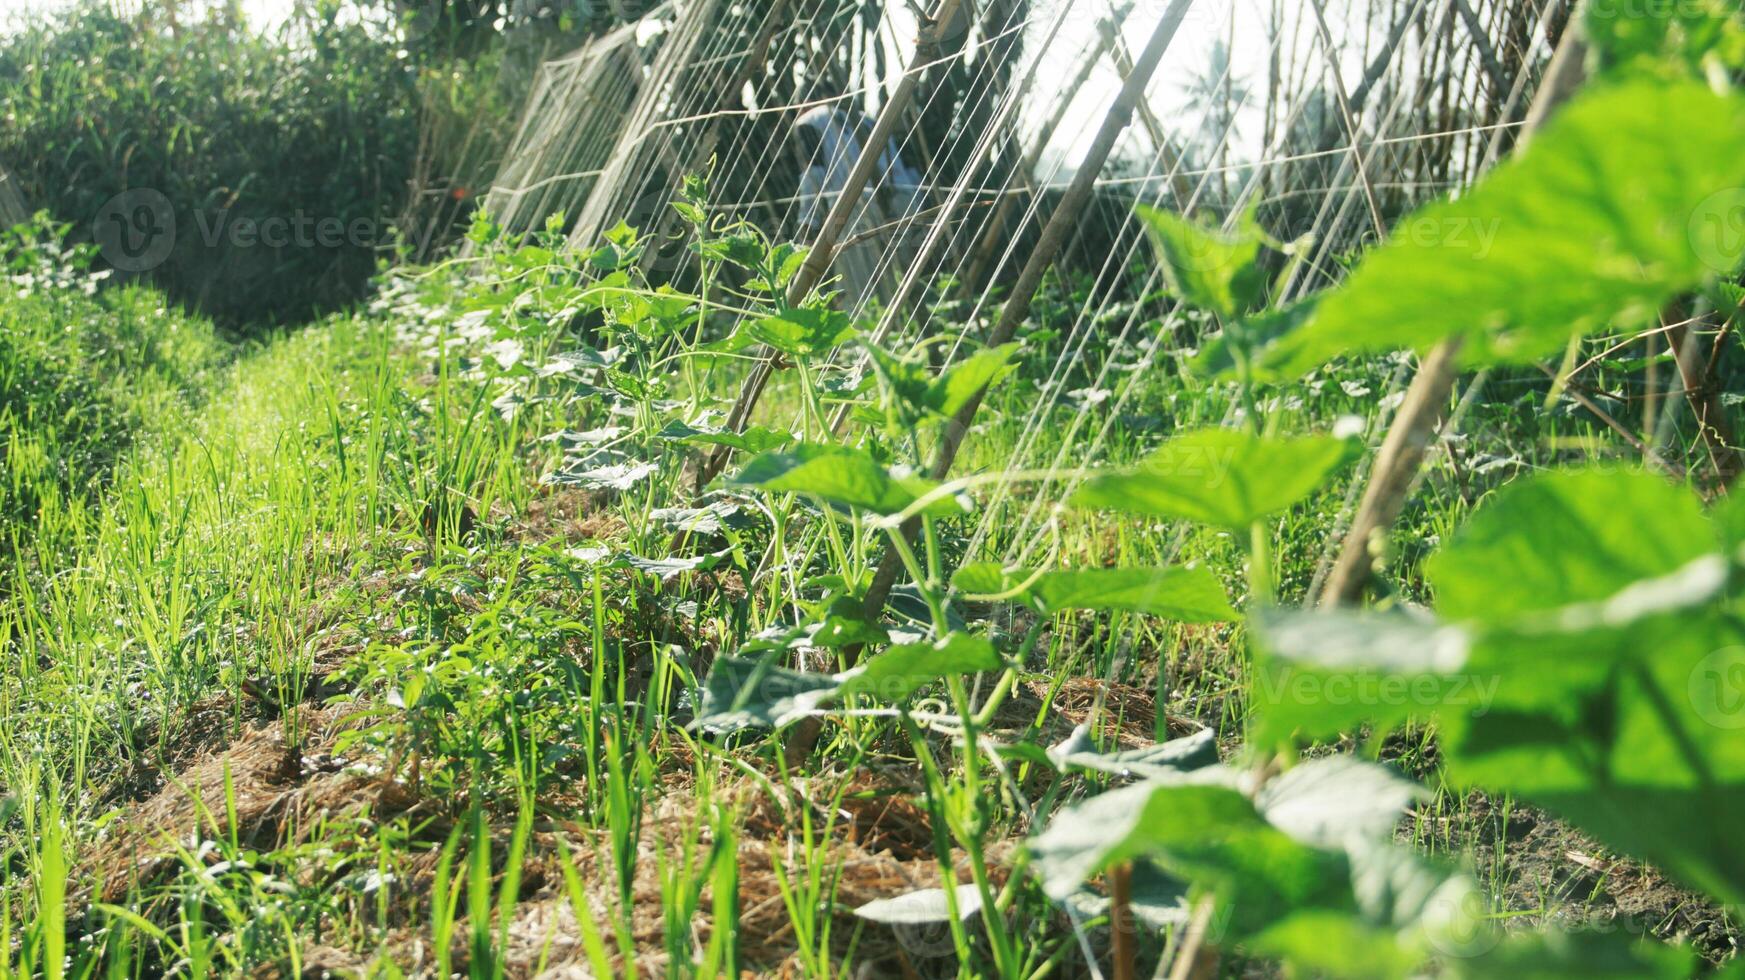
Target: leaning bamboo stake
point(995, 233)
point(749, 68)
point(1169, 159)
point(804, 735)
point(823, 248)
point(604, 199)
point(1066, 215)
point(1421, 413)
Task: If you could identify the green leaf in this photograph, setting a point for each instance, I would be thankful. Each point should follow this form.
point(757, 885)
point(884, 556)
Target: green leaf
point(1328, 801)
point(754, 693)
point(1158, 901)
point(1631, 732)
point(844, 623)
point(667, 568)
point(922, 907)
point(1311, 857)
point(1335, 943)
point(963, 380)
point(907, 380)
point(1667, 38)
point(1407, 906)
point(1194, 751)
point(802, 331)
point(903, 669)
point(620, 234)
point(1728, 516)
point(1597, 673)
point(1566, 537)
point(1184, 593)
point(708, 430)
point(1084, 839)
point(614, 476)
point(692, 214)
point(741, 693)
point(1623, 202)
point(1220, 476)
point(1217, 356)
point(844, 476)
point(786, 260)
point(712, 518)
point(1318, 674)
point(988, 578)
point(1211, 269)
point(744, 249)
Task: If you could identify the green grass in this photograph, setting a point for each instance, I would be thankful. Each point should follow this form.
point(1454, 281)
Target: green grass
point(84, 375)
point(340, 541)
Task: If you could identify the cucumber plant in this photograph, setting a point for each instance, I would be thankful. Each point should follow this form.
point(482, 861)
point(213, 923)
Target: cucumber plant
point(1585, 655)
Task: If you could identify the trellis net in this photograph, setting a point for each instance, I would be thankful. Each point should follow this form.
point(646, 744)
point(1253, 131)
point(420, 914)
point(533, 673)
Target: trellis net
point(1325, 120)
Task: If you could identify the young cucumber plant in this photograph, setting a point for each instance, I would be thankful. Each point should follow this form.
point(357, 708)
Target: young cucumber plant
point(1587, 656)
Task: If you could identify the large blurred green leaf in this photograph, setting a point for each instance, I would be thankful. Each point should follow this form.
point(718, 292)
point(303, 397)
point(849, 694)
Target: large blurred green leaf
point(1406, 907)
point(1666, 38)
point(1596, 677)
point(1310, 856)
point(1558, 955)
point(1219, 476)
point(1318, 674)
point(1566, 537)
point(1625, 200)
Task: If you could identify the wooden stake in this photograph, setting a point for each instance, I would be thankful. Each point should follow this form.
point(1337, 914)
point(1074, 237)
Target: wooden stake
point(1198, 957)
point(823, 248)
point(1122, 949)
point(1420, 416)
point(1060, 223)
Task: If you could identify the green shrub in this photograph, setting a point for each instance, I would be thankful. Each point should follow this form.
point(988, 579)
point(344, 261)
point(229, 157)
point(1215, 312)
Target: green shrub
point(84, 373)
point(314, 124)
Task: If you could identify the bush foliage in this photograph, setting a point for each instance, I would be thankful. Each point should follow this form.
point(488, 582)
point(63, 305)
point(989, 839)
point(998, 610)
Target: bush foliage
point(315, 121)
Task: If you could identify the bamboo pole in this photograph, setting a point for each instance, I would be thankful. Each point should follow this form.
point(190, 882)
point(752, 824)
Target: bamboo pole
point(1171, 160)
point(823, 248)
point(1426, 403)
point(675, 53)
point(994, 234)
point(1060, 223)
